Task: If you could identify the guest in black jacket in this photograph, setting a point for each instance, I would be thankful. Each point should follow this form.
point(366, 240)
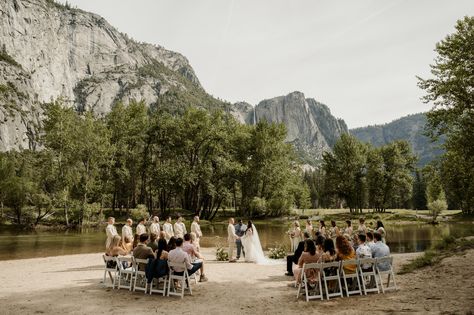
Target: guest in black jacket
point(293, 259)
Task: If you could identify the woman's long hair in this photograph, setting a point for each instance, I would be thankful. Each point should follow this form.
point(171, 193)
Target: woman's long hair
point(322, 223)
point(171, 243)
point(343, 246)
point(161, 247)
point(379, 225)
point(114, 243)
point(249, 226)
point(310, 247)
point(328, 246)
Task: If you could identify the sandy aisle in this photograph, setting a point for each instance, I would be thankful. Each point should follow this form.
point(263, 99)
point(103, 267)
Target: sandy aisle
point(71, 284)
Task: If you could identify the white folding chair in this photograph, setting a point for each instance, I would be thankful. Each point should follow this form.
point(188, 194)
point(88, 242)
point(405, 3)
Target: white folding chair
point(125, 273)
point(318, 290)
point(183, 279)
point(332, 268)
point(384, 266)
point(140, 282)
point(112, 271)
point(157, 282)
point(352, 276)
point(368, 276)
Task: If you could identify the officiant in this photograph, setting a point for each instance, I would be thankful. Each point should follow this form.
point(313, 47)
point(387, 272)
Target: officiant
point(240, 231)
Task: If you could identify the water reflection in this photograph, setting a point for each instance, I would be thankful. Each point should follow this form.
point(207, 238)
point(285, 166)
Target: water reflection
point(15, 244)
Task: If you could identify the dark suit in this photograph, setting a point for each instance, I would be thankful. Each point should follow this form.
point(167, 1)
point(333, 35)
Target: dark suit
point(293, 259)
point(240, 231)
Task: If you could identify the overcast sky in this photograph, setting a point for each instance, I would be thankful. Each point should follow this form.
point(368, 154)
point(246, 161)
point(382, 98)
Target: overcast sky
point(358, 57)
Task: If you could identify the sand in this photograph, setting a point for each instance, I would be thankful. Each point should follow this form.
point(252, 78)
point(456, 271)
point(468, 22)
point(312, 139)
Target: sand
point(72, 284)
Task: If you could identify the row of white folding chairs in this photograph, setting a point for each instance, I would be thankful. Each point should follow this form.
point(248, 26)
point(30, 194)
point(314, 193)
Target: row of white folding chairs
point(132, 274)
point(371, 269)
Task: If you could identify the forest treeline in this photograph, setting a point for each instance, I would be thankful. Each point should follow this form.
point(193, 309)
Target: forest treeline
point(203, 160)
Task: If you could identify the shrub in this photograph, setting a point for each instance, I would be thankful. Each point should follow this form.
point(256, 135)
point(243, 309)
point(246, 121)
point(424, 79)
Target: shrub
point(277, 252)
point(278, 206)
point(436, 207)
point(258, 206)
point(140, 212)
point(221, 253)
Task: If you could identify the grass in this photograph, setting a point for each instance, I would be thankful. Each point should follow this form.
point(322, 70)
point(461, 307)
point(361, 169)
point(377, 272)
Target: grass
point(448, 246)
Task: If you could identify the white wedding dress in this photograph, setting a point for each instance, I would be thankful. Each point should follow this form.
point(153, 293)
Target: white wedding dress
point(253, 248)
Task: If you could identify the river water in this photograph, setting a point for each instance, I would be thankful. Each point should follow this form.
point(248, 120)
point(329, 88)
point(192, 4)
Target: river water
point(19, 244)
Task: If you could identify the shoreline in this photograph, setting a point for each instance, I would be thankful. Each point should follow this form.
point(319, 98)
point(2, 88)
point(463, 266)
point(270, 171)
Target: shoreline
point(71, 284)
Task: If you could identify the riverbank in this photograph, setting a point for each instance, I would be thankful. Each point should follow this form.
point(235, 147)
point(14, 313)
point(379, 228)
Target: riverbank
point(71, 284)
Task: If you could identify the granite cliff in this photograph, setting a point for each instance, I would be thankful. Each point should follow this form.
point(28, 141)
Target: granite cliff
point(410, 128)
point(51, 51)
point(311, 126)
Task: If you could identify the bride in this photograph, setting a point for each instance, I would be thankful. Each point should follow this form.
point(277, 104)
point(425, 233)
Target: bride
point(252, 247)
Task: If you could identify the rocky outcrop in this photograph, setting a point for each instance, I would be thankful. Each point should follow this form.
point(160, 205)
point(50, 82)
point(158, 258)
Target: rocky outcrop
point(410, 128)
point(310, 125)
point(52, 51)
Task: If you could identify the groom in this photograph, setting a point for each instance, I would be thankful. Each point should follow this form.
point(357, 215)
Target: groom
point(231, 238)
point(240, 231)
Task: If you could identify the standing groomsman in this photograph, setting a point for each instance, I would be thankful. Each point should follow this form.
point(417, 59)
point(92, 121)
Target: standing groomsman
point(111, 231)
point(168, 229)
point(127, 231)
point(197, 230)
point(179, 228)
point(141, 229)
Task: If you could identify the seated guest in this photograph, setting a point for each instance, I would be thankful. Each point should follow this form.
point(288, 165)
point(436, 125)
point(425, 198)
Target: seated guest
point(319, 245)
point(195, 241)
point(163, 236)
point(380, 249)
point(142, 251)
point(127, 244)
point(161, 252)
point(179, 256)
point(153, 244)
point(115, 249)
point(307, 257)
point(345, 252)
point(189, 248)
point(329, 253)
point(363, 251)
point(370, 239)
point(293, 259)
point(136, 240)
point(171, 244)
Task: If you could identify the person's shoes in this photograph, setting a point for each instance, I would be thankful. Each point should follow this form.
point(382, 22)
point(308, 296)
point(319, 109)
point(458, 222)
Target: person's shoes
point(238, 257)
point(203, 278)
point(232, 260)
point(289, 274)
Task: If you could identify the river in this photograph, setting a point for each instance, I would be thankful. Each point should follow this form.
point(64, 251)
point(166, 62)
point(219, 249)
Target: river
point(19, 244)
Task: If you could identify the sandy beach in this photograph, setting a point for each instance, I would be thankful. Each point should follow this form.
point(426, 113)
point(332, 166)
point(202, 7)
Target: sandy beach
point(72, 284)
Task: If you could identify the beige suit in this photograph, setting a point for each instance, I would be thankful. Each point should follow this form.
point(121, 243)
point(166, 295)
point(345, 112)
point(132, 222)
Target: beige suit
point(231, 237)
point(111, 231)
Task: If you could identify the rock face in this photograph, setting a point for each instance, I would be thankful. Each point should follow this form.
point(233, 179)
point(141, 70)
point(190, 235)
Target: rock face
point(50, 50)
point(410, 128)
point(311, 126)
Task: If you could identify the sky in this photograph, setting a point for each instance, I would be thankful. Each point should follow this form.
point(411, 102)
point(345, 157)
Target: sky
point(360, 58)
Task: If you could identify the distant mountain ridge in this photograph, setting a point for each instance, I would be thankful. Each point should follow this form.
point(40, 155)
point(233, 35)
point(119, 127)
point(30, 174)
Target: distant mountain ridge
point(410, 128)
point(311, 127)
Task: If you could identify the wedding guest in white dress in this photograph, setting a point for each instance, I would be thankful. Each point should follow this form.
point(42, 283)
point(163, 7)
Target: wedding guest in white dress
point(179, 228)
point(155, 226)
point(141, 229)
point(127, 231)
point(322, 228)
point(381, 230)
point(295, 236)
point(168, 229)
point(362, 228)
point(110, 231)
point(196, 229)
point(309, 227)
